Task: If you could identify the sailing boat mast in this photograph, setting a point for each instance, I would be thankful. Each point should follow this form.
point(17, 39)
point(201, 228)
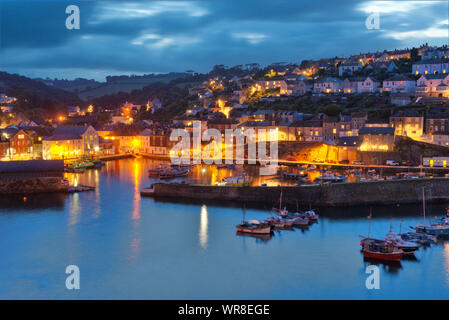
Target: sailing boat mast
point(369, 218)
point(280, 203)
point(424, 205)
point(243, 221)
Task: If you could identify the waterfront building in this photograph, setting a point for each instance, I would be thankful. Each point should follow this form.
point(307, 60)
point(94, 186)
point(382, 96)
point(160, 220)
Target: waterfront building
point(408, 123)
point(71, 142)
point(157, 143)
point(348, 148)
point(377, 139)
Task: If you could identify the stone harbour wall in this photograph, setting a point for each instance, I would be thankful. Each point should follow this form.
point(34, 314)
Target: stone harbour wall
point(357, 193)
point(33, 185)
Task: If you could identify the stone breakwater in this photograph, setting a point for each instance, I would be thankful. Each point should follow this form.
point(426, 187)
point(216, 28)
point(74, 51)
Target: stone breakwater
point(33, 185)
point(356, 193)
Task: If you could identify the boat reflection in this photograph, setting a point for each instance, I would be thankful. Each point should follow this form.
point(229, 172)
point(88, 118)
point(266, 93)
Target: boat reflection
point(410, 257)
point(258, 237)
point(391, 267)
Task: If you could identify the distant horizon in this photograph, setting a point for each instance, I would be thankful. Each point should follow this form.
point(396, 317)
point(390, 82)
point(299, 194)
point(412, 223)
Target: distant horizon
point(34, 75)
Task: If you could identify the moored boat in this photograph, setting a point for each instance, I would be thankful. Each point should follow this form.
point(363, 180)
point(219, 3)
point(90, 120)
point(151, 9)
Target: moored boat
point(237, 181)
point(254, 227)
point(174, 173)
point(311, 215)
point(421, 238)
point(407, 246)
point(330, 178)
point(381, 250)
point(156, 171)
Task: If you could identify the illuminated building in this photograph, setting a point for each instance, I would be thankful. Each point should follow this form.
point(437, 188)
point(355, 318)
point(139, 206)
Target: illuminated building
point(434, 66)
point(71, 142)
point(408, 123)
point(378, 139)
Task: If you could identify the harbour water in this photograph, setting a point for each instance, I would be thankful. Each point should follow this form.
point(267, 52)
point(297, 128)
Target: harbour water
point(128, 247)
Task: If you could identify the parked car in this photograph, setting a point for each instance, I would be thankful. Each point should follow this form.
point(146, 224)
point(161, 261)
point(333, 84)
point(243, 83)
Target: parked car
point(344, 162)
point(392, 163)
point(358, 162)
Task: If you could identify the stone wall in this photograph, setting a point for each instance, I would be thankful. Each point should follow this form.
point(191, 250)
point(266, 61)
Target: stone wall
point(358, 193)
point(33, 185)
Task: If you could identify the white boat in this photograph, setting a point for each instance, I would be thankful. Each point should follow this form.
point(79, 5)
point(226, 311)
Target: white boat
point(406, 246)
point(238, 181)
point(330, 178)
point(311, 215)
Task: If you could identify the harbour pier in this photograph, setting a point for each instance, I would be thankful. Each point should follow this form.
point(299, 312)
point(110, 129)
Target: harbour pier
point(399, 191)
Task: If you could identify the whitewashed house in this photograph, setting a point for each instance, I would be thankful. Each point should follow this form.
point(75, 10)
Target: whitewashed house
point(433, 85)
point(431, 67)
point(328, 85)
point(399, 83)
point(360, 85)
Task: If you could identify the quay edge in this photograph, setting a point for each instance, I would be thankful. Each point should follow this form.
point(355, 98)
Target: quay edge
point(399, 191)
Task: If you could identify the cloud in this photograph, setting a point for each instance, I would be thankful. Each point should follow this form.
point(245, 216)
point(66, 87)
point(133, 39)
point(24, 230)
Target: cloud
point(130, 11)
point(253, 38)
point(432, 32)
point(162, 36)
point(389, 7)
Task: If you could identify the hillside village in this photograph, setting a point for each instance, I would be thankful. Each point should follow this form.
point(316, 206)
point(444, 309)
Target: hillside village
point(363, 103)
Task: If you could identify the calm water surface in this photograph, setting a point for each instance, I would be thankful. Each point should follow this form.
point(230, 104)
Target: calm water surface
point(132, 248)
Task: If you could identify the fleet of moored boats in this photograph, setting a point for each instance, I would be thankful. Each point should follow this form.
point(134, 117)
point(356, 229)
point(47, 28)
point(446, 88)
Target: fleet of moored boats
point(279, 219)
point(395, 246)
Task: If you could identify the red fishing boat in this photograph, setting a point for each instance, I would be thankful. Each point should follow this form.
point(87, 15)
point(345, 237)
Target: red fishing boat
point(381, 250)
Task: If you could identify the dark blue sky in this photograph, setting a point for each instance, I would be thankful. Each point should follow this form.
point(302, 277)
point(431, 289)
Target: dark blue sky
point(135, 37)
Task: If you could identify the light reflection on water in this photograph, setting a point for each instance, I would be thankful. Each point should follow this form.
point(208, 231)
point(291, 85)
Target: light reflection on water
point(132, 247)
point(203, 227)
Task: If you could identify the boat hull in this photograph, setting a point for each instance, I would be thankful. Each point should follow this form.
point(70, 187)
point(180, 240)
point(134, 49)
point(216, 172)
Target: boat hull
point(395, 256)
point(264, 230)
